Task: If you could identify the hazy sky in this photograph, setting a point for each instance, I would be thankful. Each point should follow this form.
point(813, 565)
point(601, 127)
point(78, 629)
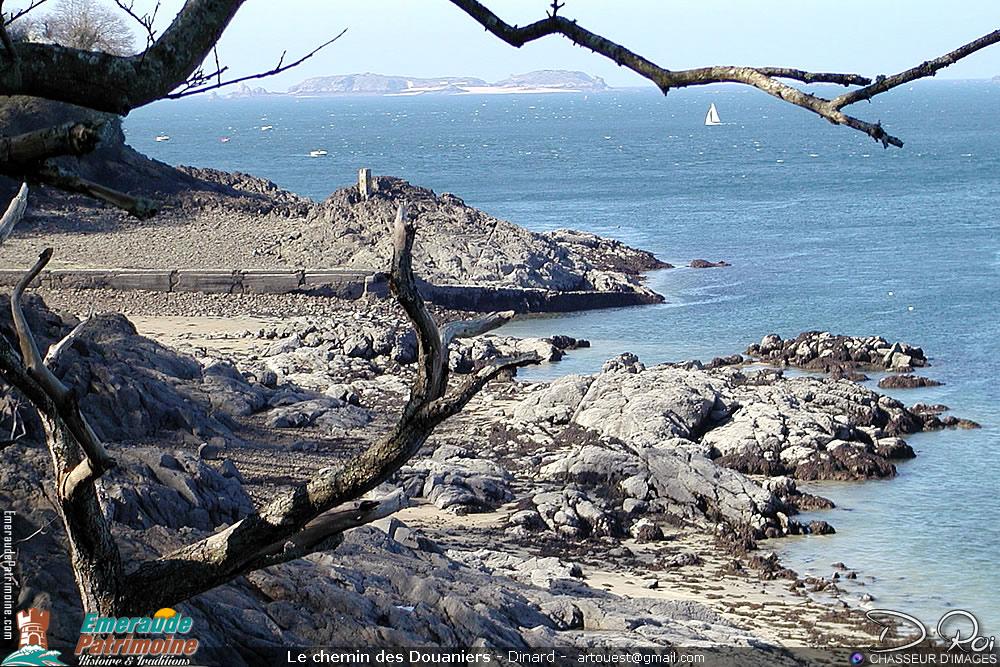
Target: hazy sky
point(435, 38)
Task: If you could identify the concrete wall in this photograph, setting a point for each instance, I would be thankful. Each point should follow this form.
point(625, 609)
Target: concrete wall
point(341, 283)
point(344, 283)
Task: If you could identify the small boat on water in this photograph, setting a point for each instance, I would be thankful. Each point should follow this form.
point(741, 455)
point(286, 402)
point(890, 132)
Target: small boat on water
point(266, 127)
point(224, 140)
point(162, 137)
point(317, 153)
point(712, 117)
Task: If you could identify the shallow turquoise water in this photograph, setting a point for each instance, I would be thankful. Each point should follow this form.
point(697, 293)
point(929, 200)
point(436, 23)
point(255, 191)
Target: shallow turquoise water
point(819, 222)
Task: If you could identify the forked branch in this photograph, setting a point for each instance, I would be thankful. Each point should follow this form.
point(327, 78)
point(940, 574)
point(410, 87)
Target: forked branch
point(763, 78)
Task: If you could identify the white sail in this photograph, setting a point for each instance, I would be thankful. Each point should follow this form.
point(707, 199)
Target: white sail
point(712, 117)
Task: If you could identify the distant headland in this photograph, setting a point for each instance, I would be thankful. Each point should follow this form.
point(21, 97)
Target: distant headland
point(541, 81)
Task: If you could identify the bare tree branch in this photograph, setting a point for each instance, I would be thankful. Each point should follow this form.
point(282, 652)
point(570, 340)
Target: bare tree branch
point(145, 20)
point(763, 78)
point(21, 12)
point(14, 213)
point(469, 328)
point(457, 399)
point(139, 207)
point(32, 147)
point(24, 157)
point(124, 82)
point(321, 533)
point(925, 69)
point(195, 85)
point(52, 385)
point(96, 460)
point(96, 560)
point(56, 349)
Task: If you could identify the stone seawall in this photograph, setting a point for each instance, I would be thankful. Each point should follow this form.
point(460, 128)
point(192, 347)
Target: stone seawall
point(340, 283)
point(343, 283)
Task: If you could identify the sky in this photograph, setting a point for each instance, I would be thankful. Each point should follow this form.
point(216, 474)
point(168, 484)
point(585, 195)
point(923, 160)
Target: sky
point(435, 38)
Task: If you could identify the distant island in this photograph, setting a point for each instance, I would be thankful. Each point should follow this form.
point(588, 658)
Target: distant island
point(542, 81)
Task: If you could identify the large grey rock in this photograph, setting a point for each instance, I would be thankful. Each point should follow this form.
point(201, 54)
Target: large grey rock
point(230, 392)
point(556, 403)
point(329, 413)
point(457, 480)
point(571, 513)
point(131, 387)
point(782, 425)
point(672, 478)
point(648, 407)
point(155, 488)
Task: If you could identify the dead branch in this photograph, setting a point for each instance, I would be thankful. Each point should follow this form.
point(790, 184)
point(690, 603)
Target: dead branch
point(66, 139)
point(57, 348)
point(237, 549)
point(24, 157)
point(145, 20)
point(925, 69)
point(21, 12)
point(196, 84)
point(15, 211)
point(763, 78)
point(469, 328)
point(77, 459)
point(96, 460)
point(324, 532)
point(119, 84)
point(52, 385)
point(457, 399)
point(139, 207)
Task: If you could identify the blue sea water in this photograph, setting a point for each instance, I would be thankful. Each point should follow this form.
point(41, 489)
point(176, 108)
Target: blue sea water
point(820, 224)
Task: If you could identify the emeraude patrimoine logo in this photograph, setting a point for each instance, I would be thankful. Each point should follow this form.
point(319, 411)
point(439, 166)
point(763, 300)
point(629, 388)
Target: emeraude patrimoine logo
point(33, 647)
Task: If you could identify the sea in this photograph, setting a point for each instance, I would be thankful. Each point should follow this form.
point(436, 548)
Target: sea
point(824, 228)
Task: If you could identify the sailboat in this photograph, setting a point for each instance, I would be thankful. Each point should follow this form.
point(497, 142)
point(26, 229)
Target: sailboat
point(712, 117)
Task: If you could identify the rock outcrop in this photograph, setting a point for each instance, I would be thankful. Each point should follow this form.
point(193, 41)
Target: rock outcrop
point(906, 381)
point(457, 244)
point(677, 441)
point(821, 350)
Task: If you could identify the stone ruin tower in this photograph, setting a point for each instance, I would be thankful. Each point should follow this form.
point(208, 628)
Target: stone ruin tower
point(33, 624)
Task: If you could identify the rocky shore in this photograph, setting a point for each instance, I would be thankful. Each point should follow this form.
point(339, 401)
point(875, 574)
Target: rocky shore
point(634, 507)
point(630, 507)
